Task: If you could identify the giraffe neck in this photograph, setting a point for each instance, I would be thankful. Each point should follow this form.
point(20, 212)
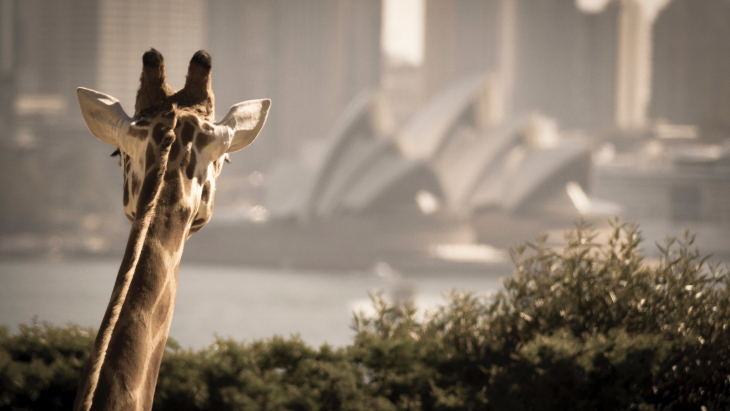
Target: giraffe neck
point(122, 370)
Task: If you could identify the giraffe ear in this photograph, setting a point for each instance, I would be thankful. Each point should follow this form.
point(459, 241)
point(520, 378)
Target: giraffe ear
point(104, 116)
point(245, 121)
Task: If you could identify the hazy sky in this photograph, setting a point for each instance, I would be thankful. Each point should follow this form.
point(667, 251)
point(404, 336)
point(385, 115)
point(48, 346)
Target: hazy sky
point(591, 6)
point(403, 29)
point(403, 25)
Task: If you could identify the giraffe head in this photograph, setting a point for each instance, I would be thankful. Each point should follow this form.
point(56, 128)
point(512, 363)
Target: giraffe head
point(172, 141)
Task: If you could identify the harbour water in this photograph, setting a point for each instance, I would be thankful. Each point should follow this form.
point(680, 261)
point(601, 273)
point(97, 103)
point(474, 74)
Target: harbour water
point(244, 303)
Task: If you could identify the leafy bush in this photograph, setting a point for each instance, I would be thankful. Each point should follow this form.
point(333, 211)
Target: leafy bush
point(588, 326)
point(40, 366)
point(277, 374)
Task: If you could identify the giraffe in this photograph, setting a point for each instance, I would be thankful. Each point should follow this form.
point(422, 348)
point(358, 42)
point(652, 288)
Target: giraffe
point(171, 152)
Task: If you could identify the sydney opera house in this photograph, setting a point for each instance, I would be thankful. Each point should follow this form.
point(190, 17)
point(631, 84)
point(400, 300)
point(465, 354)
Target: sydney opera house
point(426, 193)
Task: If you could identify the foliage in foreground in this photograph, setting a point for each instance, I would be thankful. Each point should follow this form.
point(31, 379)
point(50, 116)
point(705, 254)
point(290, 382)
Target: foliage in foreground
point(585, 327)
point(588, 326)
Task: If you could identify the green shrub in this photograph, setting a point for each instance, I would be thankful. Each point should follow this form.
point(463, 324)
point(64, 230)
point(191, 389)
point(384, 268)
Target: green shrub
point(40, 365)
point(587, 326)
point(277, 374)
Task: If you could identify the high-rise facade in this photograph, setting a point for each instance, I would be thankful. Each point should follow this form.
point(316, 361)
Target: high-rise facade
point(565, 62)
point(461, 39)
point(128, 28)
point(311, 58)
point(57, 52)
point(547, 55)
point(49, 49)
point(8, 63)
point(691, 65)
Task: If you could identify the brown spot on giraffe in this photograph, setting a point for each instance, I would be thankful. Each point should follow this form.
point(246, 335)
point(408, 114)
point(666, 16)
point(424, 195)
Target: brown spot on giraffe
point(175, 150)
point(150, 157)
point(187, 133)
point(125, 196)
point(148, 189)
point(168, 137)
point(158, 132)
point(202, 141)
point(190, 169)
point(135, 184)
point(205, 194)
point(139, 133)
point(187, 184)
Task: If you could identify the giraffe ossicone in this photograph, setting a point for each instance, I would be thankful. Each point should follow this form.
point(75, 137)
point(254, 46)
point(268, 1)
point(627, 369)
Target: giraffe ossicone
point(172, 151)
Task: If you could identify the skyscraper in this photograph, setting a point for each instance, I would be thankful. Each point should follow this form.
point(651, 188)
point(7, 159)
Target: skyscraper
point(128, 28)
point(549, 55)
point(461, 39)
point(691, 65)
point(311, 58)
point(565, 62)
point(8, 63)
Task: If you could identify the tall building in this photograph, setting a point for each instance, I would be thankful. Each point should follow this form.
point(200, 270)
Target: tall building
point(311, 58)
point(48, 50)
point(461, 39)
point(691, 65)
point(8, 63)
point(128, 28)
point(547, 55)
point(57, 52)
point(565, 62)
